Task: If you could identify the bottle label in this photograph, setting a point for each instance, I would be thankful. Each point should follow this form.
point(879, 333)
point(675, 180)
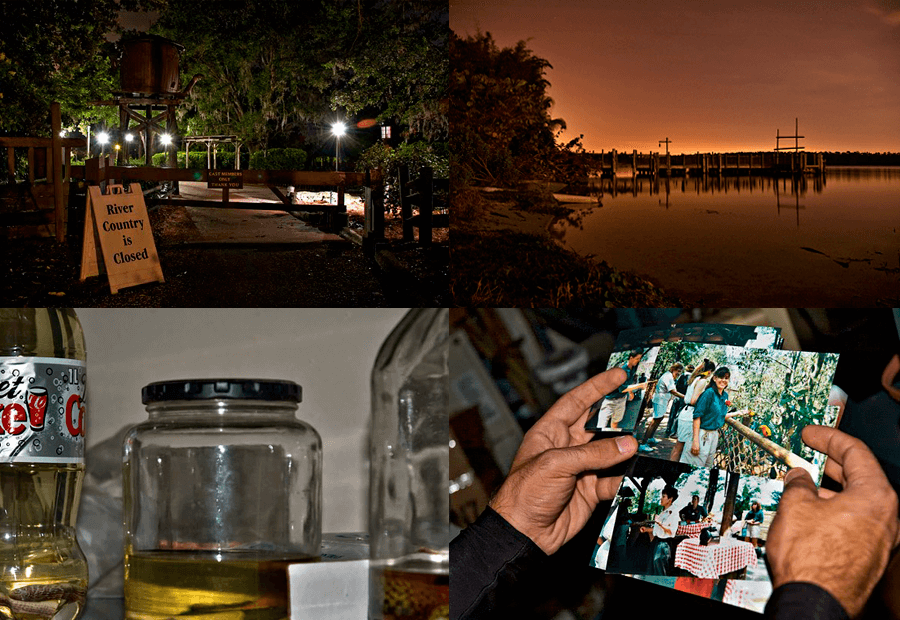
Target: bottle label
point(41, 410)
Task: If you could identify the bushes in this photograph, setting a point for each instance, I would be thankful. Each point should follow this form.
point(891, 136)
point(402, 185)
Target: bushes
point(278, 159)
point(415, 156)
point(224, 159)
point(272, 159)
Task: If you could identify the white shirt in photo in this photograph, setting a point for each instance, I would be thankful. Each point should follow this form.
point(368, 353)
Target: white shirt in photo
point(669, 520)
point(666, 383)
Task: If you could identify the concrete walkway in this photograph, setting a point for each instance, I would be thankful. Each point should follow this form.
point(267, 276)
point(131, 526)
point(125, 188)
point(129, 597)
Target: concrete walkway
point(222, 225)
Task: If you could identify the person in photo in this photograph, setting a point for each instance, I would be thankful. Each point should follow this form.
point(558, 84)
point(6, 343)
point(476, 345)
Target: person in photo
point(696, 384)
point(663, 530)
point(662, 396)
point(709, 416)
point(611, 408)
point(678, 403)
point(754, 520)
point(694, 512)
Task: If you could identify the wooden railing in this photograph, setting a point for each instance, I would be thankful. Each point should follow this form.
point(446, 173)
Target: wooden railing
point(420, 193)
point(45, 185)
point(741, 449)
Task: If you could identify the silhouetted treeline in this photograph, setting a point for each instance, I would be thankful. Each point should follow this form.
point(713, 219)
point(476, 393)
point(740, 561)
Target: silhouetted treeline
point(861, 159)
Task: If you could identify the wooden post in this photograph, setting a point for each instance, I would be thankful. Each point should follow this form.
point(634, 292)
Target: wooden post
point(225, 195)
point(405, 203)
point(634, 165)
point(339, 217)
point(615, 163)
point(172, 130)
point(374, 215)
point(148, 144)
point(55, 172)
point(123, 129)
point(731, 489)
point(426, 206)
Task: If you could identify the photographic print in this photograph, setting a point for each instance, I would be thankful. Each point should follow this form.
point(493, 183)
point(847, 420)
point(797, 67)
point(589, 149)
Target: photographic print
point(621, 409)
point(741, 409)
point(696, 530)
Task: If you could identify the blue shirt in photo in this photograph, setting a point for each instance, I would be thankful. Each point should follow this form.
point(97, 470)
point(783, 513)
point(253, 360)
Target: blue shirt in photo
point(711, 409)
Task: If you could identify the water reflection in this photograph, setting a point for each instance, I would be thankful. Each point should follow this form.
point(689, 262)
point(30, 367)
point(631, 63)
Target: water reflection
point(831, 240)
point(707, 185)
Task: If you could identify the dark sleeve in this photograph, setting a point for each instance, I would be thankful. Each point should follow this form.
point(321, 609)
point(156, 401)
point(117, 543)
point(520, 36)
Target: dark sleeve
point(490, 562)
point(803, 601)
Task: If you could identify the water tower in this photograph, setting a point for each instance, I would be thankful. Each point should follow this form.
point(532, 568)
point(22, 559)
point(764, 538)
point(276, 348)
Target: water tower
point(149, 92)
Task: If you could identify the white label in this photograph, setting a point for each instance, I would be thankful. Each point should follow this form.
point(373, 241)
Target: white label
point(41, 410)
point(329, 590)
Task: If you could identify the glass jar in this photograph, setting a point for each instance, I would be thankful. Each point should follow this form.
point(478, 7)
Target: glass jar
point(409, 484)
point(222, 491)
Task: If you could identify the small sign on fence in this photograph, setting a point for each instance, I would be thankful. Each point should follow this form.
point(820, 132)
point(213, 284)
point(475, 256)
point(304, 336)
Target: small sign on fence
point(117, 226)
point(225, 179)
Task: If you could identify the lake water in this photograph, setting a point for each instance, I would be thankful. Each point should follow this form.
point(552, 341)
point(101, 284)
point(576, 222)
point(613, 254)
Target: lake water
point(832, 241)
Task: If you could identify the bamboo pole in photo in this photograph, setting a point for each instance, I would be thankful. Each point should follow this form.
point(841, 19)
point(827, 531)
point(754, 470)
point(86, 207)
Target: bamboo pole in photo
point(779, 452)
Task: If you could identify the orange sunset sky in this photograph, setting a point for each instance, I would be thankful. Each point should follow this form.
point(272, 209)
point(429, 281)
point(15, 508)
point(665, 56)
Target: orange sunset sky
point(711, 75)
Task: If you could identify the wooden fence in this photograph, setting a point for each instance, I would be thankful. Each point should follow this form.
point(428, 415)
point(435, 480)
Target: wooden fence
point(36, 204)
point(420, 193)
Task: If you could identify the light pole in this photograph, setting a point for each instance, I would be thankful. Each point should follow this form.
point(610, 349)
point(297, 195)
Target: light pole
point(102, 138)
point(338, 130)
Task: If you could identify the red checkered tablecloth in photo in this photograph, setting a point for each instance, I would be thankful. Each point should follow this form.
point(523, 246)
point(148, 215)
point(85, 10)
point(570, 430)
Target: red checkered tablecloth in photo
point(714, 560)
point(691, 529)
point(735, 593)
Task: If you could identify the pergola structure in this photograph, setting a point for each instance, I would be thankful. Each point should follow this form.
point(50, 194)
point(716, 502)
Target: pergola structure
point(211, 141)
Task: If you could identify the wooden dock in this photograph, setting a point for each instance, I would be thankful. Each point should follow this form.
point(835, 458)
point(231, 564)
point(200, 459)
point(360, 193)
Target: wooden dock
point(636, 164)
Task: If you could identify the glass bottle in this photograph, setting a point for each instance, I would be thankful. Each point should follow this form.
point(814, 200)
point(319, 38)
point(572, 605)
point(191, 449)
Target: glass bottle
point(409, 492)
point(222, 491)
point(43, 573)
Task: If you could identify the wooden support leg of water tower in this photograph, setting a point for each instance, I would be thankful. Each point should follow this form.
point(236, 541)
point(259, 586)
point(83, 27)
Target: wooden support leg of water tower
point(172, 130)
point(148, 138)
point(123, 129)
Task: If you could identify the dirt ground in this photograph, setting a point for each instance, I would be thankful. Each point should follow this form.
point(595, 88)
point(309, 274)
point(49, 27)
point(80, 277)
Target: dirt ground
point(38, 272)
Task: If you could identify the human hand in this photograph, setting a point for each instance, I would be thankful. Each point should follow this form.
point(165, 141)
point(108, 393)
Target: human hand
point(838, 541)
point(695, 448)
point(553, 485)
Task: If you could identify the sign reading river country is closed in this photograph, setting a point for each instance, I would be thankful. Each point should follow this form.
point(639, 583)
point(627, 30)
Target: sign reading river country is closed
point(225, 179)
point(117, 228)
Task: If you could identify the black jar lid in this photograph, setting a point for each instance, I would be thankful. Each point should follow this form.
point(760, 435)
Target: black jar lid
point(211, 389)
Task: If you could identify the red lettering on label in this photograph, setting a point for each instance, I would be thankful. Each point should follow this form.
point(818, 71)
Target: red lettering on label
point(75, 419)
point(13, 413)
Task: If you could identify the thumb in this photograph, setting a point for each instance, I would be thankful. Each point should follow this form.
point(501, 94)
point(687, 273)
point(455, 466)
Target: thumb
point(595, 454)
point(798, 482)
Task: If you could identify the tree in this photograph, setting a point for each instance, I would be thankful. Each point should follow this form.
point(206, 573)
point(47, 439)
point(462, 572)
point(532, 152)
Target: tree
point(273, 68)
point(395, 61)
point(499, 111)
point(53, 50)
point(262, 62)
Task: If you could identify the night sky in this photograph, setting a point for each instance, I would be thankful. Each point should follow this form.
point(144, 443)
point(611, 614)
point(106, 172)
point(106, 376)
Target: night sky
point(711, 75)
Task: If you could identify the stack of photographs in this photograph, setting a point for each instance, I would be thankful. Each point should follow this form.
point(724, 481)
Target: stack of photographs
point(718, 411)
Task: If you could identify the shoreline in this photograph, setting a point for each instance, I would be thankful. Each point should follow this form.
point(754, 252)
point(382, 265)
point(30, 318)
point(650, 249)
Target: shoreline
point(505, 253)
